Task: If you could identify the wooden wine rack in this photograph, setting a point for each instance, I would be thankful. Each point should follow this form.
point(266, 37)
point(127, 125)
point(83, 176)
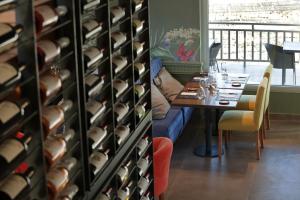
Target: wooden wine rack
point(72, 58)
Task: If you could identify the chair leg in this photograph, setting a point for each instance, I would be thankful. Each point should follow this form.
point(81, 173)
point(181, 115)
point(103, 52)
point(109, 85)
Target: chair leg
point(268, 118)
point(261, 137)
point(226, 138)
point(220, 144)
point(161, 196)
point(257, 145)
point(263, 128)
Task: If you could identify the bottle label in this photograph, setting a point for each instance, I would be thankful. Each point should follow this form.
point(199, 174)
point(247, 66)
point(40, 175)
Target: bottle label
point(8, 110)
point(10, 149)
point(50, 49)
point(142, 165)
point(92, 27)
point(7, 72)
point(52, 117)
point(50, 84)
point(58, 179)
point(96, 109)
point(98, 160)
point(119, 63)
point(48, 14)
point(94, 55)
point(117, 13)
point(121, 110)
point(97, 135)
point(13, 186)
point(119, 39)
point(91, 80)
point(55, 149)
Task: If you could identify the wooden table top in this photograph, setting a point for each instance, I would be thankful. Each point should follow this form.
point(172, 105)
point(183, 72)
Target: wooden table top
point(225, 91)
point(291, 46)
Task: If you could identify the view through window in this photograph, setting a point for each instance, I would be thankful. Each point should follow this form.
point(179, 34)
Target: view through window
point(244, 27)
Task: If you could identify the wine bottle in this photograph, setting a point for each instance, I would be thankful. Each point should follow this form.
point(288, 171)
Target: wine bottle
point(121, 109)
point(96, 135)
point(138, 48)
point(13, 148)
point(92, 55)
point(143, 184)
point(123, 173)
point(89, 4)
point(97, 161)
point(140, 111)
point(117, 13)
point(118, 38)
point(146, 197)
point(94, 84)
point(106, 195)
point(91, 28)
point(9, 36)
point(119, 63)
point(124, 193)
point(143, 165)
point(16, 185)
point(137, 5)
point(142, 146)
point(11, 111)
point(51, 84)
point(49, 50)
point(138, 26)
point(46, 16)
point(10, 73)
point(139, 69)
point(56, 146)
point(7, 4)
point(69, 192)
point(59, 176)
point(54, 116)
point(95, 109)
point(122, 132)
point(120, 86)
point(140, 90)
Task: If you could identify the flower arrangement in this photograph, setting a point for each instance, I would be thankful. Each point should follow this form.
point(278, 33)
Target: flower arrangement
point(179, 44)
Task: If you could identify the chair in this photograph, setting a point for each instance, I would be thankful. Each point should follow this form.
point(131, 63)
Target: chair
point(247, 102)
point(245, 121)
point(163, 148)
point(213, 53)
point(281, 60)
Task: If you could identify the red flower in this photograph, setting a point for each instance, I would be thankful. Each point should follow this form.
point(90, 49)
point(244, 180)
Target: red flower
point(183, 54)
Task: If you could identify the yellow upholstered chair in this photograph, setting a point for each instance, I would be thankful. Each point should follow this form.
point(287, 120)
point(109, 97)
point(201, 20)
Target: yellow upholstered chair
point(247, 102)
point(245, 120)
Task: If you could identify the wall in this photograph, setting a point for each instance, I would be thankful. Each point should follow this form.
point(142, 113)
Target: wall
point(175, 30)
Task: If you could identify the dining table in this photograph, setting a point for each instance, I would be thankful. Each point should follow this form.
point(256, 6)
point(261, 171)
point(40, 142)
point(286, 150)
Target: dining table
point(218, 92)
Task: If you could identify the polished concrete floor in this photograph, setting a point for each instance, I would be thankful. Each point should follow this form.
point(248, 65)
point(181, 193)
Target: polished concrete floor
point(239, 176)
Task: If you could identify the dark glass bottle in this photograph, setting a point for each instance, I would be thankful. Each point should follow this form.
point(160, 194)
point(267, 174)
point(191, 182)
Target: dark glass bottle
point(16, 185)
point(9, 36)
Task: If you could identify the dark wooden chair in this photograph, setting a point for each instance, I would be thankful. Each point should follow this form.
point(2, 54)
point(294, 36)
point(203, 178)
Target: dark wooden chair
point(213, 53)
point(281, 60)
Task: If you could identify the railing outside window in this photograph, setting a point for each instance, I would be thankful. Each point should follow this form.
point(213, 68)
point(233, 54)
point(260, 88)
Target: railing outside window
point(245, 41)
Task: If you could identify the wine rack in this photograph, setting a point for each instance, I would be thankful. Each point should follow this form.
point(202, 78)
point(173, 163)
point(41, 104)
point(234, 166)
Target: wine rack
point(82, 99)
point(117, 61)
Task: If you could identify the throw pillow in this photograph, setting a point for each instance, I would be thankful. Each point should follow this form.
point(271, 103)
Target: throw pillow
point(160, 105)
point(167, 84)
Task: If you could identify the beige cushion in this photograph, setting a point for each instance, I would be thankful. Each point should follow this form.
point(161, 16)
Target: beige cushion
point(167, 84)
point(238, 120)
point(246, 102)
point(160, 105)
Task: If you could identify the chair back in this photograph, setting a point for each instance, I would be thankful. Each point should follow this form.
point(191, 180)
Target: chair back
point(280, 59)
point(163, 148)
point(268, 75)
point(260, 102)
point(213, 53)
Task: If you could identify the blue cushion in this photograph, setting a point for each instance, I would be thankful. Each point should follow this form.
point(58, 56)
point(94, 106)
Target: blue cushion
point(156, 65)
point(187, 114)
point(171, 126)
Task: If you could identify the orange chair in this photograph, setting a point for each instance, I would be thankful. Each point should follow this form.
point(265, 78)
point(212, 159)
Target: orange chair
point(163, 148)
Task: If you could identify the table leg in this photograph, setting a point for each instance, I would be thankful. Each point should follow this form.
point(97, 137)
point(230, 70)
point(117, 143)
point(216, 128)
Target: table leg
point(207, 149)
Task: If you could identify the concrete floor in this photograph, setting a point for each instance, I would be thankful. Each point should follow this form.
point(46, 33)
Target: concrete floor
point(239, 176)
